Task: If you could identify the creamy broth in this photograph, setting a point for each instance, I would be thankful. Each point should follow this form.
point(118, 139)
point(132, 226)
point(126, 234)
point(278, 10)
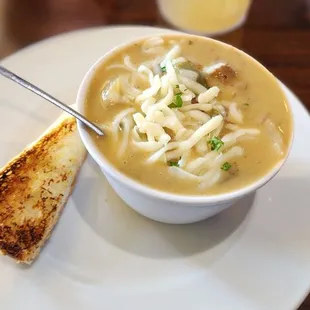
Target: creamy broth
point(247, 84)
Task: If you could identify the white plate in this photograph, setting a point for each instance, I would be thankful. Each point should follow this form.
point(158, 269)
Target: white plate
point(103, 255)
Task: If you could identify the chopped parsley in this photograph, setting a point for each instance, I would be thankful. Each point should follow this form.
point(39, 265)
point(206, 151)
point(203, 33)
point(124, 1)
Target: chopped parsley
point(177, 86)
point(163, 69)
point(216, 143)
point(178, 102)
point(226, 166)
point(173, 163)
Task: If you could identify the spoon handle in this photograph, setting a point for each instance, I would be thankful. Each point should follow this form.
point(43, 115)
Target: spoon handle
point(10, 75)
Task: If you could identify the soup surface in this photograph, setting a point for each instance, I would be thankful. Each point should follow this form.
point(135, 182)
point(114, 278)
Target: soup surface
point(188, 115)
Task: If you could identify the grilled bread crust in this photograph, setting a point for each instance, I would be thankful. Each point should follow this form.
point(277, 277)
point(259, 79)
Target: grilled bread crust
point(34, 187)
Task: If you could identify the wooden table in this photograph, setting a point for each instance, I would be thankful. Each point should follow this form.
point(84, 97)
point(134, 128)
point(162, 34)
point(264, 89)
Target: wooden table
point(277, 32)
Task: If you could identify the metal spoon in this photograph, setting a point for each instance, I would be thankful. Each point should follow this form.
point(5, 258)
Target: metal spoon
point(10, 75)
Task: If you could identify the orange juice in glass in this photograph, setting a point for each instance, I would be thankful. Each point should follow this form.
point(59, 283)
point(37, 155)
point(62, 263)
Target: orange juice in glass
point(208, 17)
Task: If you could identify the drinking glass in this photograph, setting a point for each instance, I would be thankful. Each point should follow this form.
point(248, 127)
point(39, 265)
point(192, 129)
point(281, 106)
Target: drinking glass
point(205, 17)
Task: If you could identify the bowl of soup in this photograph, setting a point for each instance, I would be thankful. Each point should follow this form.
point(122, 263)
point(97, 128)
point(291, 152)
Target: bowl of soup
point(191, 125)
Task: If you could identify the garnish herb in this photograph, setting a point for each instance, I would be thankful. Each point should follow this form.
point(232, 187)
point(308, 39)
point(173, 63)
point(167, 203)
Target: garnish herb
point(173, 163)
point(226, 166)
point(216, 143)
point(178, 102)
point(163, 69)
point(177, 86)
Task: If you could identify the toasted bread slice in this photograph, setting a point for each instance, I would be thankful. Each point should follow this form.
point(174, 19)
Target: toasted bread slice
point(34, 187)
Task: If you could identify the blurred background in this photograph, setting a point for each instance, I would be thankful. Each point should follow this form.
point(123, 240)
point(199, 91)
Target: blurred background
point(275, 32)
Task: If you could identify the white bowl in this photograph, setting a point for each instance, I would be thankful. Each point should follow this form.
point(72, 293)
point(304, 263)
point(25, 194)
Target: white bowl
point(154, 204)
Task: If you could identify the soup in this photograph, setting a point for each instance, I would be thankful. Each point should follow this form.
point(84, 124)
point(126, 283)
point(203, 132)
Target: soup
point(188, 115)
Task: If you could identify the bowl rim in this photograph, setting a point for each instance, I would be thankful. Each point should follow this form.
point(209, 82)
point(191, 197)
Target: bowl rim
point(145, 189)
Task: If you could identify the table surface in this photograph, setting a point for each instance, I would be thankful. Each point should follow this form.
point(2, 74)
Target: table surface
point(277, 32)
